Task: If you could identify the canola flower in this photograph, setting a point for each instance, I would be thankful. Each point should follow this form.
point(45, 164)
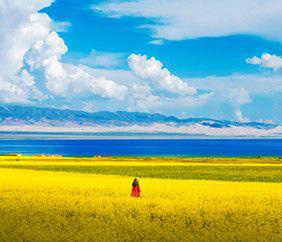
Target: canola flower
point(64, 206)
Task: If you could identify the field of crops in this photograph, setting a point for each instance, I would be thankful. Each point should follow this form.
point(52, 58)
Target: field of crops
point(66, 199)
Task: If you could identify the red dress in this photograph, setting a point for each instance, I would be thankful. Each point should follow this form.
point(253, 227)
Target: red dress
point(135, 191)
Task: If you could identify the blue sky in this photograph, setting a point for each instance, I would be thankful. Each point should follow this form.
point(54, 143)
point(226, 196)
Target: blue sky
point(184, 58)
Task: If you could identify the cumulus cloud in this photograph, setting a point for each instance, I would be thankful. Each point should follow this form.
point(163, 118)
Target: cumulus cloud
point(17, 33)
point(20, 89)
point(188, 19)
point(159, 77)
point(30, 57)
point(68, 80)
point(99, 59)
point(142, 97)
point(266, 60)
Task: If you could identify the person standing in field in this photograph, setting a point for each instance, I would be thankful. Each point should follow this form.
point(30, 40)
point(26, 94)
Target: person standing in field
point(136, 191)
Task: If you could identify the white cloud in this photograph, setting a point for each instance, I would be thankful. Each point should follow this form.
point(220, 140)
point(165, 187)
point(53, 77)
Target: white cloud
point(67, 80)
point(188, 19)
point(44, 52)
point(240, 117)
point(232, 93)
point(99, 59)
point(20, 89)
point(61, 26)
point(239, 96)
point(17, 38)
point(266, 60)
point(157, 42)
point(177, 106)
point(225, 87)
point(143, 96)
point(160, 78)
point(30, 59)
point(20, 26)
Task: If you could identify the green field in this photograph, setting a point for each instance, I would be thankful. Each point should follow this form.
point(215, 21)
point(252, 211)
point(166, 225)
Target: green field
point(221, 173)
point(253, 170)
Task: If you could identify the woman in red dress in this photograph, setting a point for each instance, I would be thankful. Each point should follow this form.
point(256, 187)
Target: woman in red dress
point(136, 191)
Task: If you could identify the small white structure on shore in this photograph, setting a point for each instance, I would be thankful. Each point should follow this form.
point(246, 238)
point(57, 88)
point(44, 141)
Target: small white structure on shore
point(16, 155)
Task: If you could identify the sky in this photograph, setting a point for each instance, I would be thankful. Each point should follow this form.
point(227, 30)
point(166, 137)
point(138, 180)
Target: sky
point(220, 59)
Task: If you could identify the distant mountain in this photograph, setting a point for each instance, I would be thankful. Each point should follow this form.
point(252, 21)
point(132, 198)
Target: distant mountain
point(27, 115)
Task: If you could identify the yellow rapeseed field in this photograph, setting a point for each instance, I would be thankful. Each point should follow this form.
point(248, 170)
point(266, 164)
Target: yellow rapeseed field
point(64, 206)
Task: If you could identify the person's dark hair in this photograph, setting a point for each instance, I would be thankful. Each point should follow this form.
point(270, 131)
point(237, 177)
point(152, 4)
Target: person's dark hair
point(135, 182)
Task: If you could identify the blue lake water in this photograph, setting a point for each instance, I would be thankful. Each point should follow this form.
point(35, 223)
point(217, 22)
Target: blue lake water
point(145, 147)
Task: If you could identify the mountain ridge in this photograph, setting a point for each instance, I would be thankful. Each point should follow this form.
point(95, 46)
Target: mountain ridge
point(30, 115)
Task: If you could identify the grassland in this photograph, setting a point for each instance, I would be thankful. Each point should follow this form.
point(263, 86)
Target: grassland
point(252, 170)
point(65, 199)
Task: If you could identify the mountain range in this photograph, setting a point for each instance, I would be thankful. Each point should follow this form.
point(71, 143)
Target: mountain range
point(29, 115)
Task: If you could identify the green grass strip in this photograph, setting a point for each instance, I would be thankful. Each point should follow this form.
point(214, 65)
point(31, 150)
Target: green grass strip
point(221, 173)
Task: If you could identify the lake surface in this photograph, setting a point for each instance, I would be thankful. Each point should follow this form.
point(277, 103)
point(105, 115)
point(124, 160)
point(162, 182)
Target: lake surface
point(145, 147)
